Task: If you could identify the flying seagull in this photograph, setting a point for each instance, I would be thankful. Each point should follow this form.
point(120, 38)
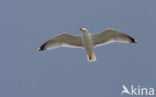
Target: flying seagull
point(87, 41)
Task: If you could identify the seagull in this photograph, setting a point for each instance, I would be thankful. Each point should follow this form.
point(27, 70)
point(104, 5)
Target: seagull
point(87, 41)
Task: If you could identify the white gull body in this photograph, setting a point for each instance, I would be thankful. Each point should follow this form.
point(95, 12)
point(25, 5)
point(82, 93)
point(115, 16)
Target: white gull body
point(87, 41)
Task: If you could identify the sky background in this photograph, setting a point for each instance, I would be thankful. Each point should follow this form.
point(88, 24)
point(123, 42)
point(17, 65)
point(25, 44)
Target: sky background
point(65, 72)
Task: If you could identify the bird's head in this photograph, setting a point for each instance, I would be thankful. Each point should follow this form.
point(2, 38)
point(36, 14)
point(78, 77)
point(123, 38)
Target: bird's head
point(83, 30)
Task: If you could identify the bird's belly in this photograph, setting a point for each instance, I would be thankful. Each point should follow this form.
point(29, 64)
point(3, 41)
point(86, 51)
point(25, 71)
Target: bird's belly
point(87, 41)
point(88, 45)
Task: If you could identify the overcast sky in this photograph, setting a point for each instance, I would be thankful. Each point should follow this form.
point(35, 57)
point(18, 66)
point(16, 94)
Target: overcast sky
point(65, 72)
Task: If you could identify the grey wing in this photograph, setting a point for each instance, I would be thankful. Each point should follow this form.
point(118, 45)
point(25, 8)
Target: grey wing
point(65, 40)
point(109, 36)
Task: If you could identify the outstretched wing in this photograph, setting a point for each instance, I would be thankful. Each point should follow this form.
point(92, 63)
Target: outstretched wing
point(65, 40)
point(109, 36)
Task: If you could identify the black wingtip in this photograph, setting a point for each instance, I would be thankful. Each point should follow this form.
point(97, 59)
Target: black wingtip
point(42, 48)
point(132, 40)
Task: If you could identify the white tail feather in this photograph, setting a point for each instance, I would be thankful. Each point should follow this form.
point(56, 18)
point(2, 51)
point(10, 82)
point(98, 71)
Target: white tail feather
point(91, 57)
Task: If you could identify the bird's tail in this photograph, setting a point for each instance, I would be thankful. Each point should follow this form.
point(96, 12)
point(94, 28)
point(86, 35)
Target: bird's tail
point(91, 57)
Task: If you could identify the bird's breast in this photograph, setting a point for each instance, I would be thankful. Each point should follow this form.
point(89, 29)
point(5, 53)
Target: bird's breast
point(87, 40)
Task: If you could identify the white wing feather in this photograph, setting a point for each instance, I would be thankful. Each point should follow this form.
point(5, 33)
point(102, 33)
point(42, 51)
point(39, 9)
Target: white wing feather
point(64, 40)
point(109, 36)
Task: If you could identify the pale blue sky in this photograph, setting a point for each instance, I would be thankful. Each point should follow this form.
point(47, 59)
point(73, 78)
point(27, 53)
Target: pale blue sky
point(65, 72)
